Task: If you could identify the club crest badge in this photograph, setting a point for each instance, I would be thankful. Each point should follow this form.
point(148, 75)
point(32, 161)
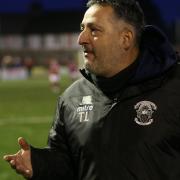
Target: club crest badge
point(145, 110)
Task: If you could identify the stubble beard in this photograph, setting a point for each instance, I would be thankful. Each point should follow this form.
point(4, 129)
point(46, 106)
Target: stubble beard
point(88, 67)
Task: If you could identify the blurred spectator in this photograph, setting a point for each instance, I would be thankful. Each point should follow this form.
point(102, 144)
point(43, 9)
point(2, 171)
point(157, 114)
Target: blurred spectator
point(17, 61)
point(7, 62)
point(54, 75)
point(29, 63)
point(73, 70)
point(12, 68)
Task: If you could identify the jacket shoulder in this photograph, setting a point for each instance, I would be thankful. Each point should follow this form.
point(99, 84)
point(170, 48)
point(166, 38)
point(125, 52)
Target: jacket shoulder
point(173, 80)
point(79, 87)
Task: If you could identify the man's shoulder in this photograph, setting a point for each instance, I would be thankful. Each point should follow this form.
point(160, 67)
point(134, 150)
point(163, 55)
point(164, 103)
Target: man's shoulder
point(178, 71)
point(79, 87)
point(173, 82)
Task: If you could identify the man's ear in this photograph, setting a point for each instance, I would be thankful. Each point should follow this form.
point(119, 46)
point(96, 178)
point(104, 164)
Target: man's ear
point(127, 38)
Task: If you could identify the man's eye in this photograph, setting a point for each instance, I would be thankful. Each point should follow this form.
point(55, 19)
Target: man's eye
point(93, 31)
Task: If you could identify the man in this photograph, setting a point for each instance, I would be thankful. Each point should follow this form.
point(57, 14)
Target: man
point(121, 121)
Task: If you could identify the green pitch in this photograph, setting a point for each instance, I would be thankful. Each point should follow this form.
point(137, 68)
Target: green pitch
point(26, 109)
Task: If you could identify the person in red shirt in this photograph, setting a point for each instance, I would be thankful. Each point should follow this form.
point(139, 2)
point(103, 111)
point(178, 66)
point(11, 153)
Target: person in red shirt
point(54, 75)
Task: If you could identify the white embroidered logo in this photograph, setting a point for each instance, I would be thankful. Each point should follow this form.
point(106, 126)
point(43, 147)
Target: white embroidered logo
point(144, 111)
point(84, 108)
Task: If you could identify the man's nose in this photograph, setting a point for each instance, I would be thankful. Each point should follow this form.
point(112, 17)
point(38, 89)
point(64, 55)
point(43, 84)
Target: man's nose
point(83, 38)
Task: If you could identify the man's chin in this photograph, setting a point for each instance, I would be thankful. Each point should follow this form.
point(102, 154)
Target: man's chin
point(91, 69)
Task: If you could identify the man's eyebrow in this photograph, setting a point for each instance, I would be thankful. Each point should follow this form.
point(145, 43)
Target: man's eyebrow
point(90, 25)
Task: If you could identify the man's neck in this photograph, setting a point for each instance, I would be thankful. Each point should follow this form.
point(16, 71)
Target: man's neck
point(125, 60)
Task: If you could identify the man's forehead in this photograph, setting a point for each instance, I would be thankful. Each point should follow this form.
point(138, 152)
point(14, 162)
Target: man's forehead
point(97, 12)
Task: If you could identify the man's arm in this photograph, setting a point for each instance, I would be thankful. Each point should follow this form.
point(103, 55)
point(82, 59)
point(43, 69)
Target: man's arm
point(53, 162)
point(21, 161)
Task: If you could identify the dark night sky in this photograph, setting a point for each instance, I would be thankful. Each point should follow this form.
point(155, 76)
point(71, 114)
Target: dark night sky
point(170, 9)
point(22, 6)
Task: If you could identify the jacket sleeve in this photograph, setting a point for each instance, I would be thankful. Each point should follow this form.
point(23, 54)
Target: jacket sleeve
point(53, 162)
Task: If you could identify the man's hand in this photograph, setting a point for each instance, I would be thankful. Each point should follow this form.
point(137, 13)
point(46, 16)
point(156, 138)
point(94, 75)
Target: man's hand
point(21, 161)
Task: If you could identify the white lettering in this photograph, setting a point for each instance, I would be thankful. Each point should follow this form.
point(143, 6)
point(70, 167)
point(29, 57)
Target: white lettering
point(81, 116)
point(86, 116)
point(85, 108)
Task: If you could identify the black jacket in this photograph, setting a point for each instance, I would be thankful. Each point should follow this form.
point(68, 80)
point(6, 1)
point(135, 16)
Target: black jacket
point(133, 134)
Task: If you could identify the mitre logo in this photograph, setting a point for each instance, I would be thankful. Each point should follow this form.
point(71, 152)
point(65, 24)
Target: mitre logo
point(145, 110)
point(84, 108)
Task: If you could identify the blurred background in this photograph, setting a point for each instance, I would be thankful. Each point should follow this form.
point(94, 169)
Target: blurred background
point(39, 58)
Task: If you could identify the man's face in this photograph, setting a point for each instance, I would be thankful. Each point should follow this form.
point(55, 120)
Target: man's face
point(101, 40)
